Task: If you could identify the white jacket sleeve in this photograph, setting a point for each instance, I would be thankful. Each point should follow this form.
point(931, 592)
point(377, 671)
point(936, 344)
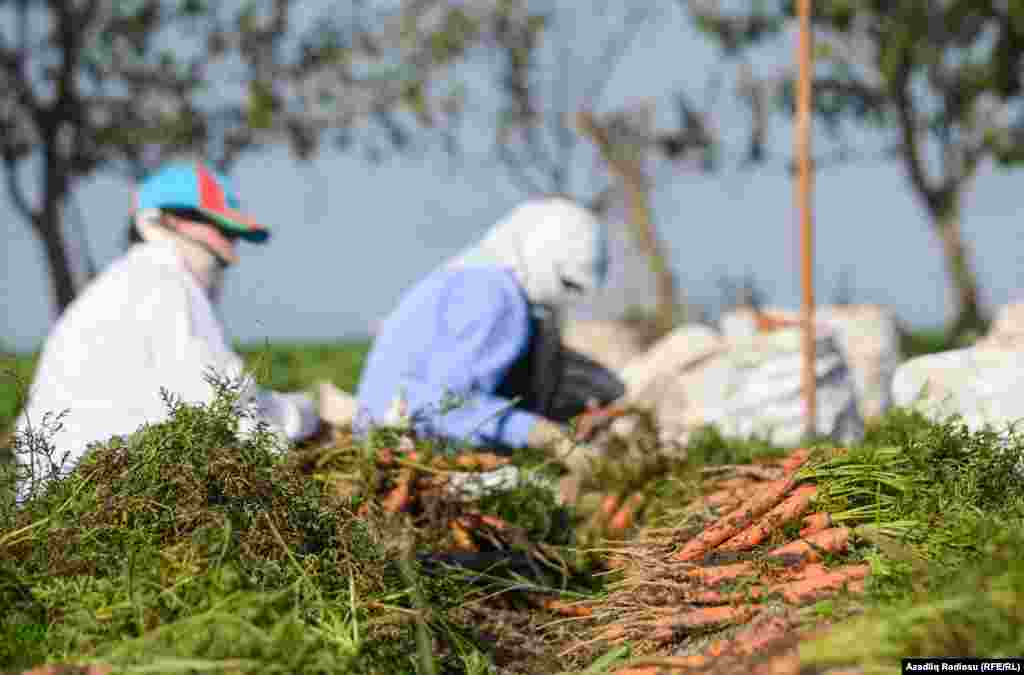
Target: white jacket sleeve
point(196, 346)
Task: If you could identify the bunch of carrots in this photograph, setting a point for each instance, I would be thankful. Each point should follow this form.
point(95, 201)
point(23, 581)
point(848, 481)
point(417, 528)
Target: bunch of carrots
point(726, 573)
point(421, 475)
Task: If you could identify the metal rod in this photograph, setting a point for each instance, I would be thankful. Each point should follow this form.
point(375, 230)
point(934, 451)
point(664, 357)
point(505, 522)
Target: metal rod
point(804, 187)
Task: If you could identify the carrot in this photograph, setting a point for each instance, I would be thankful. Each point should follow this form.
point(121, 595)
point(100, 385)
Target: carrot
point(478, 461)
point(603, 513)
point(592, 421)
point(755, 471)
point(760, 636)
point(657, 665)
point(564, 608)
point(786, 663)
point(795, 459)
point(475, 519)
point(804, 571)
point(712, 576)
point(734, 522)
point(753, 593)
point(791, 508)
point(815, 522)
point(737, 484)
point(624, 517)
point(666, 628)
point(809, 549)
point(609, 506)
point(474, 461)
point(399, 498)
point(806, 590)
point(463, 539)
point(385, 456)
point(612, 633)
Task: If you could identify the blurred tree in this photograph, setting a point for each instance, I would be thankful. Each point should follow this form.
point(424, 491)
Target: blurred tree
point(940, 78)
point(120, 85)
point(537, 73)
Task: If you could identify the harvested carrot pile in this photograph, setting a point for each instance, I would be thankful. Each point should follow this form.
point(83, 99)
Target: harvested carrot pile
point(757, 552)
point(435, 491)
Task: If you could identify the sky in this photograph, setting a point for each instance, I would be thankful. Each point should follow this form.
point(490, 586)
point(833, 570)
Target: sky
point(349, 237)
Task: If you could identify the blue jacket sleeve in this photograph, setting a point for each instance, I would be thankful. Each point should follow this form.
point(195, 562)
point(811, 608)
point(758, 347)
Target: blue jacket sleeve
point(483, 328)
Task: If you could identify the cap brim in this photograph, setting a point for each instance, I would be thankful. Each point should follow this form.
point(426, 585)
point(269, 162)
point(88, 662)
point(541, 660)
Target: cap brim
point(238, 224)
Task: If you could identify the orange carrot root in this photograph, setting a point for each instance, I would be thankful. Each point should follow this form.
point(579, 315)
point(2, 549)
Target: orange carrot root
point(398, 499)
point(814, 523)
point(564, 608)
point(659, 665)
point(477, 461)
point(666, 628)
point(736, 484)
point(809, 549)
point(795, 459)
point(712, 576)
point(610, 504)
point(732, 523)
point(760, 636)
point(813, 588)
point(625, 517)
point(475, 519)
point(790, 509)
point(592, 421)
point(463, 539)
point(612, 633)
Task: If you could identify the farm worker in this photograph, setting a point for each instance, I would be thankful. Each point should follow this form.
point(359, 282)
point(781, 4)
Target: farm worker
point(473, 354)
point(149, 322)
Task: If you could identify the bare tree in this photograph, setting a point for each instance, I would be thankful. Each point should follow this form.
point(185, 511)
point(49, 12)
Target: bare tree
point(548, 65)
point(940, 80)
point(116, 85)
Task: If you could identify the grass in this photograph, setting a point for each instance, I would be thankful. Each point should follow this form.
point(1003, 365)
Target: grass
point(281, 366)
point(189, 549)
point(943, 517)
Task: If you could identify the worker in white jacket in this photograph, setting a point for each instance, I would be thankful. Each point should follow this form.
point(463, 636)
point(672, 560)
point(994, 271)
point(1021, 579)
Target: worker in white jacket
point(148, 322)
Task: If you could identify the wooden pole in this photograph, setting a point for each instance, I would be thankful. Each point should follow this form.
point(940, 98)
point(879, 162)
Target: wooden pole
point(804, 186)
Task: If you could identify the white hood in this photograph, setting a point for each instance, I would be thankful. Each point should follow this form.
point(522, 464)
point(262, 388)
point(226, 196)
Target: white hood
point(204, 265)
point(546, 242)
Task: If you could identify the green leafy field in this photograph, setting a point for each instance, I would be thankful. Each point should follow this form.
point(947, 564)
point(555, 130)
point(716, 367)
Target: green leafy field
point(187, 549)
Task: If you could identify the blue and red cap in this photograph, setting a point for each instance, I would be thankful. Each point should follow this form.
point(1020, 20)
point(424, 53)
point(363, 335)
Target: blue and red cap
point(196, 187)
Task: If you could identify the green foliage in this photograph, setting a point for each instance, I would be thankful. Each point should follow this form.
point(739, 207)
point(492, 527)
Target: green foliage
point(291, 367)
point(15, 375)
point(939, 488)
point(709, 447)
point(971, 611)
point(193, 547)
point(190, 546)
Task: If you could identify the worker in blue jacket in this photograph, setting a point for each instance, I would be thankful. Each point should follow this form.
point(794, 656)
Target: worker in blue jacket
point(472, 353)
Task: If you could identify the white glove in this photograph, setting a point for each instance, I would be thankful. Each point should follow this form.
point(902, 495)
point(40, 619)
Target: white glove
point(335, 406)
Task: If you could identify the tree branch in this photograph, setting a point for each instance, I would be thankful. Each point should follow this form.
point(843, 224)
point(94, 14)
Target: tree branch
point(15, 190)
point(871, 96)
point(911, 146)
point(12, 63)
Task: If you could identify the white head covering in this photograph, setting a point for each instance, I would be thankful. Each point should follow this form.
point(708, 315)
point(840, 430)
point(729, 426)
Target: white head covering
point(205, 265)
point(557, 250)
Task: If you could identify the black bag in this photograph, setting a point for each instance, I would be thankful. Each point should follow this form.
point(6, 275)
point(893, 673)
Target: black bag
point(554, 381)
